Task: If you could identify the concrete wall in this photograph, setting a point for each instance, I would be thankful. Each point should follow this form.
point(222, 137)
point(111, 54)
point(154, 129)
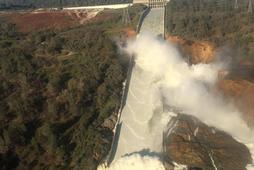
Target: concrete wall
point(145, 2)
point(157, 3)
point(117, 6)
point(152, 3)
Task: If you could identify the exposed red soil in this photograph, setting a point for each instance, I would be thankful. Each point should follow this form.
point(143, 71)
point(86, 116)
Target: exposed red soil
point(29, 21)
point(193, 141)
point(130, 32)
point(199, 51)
point(37, 21)
point(238, 86)
point(242, 91)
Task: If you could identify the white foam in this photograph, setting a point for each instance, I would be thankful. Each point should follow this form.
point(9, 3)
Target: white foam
point(189, 87)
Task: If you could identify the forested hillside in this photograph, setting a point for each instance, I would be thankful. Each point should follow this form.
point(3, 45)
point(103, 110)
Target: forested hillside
point(21, 4)
point(56, 89)
point(216, 21)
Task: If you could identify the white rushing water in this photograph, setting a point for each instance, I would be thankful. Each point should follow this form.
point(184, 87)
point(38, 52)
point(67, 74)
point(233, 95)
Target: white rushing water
point(160, 76)
point(189, 87)
point(142, 120)
point(139, 110)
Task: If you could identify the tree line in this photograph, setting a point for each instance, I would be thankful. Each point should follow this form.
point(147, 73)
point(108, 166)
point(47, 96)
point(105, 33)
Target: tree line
point(217, 21)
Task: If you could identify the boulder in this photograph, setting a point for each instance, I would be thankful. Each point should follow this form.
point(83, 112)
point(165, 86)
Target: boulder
point(191, 142)
point(110, 122)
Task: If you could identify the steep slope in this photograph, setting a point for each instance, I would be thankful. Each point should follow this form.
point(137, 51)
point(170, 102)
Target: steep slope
point(135, 131)
point(197, 145)
point(59, 90)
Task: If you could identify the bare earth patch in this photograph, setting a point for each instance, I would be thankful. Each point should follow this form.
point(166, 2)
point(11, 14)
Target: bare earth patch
point(42, 20)
point(236, 84)
point(199, 51)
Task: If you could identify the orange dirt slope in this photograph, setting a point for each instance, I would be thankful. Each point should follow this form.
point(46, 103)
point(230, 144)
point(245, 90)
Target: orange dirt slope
point(200, 52)
point(242, 91)
point(239, 86)
point(38, 21)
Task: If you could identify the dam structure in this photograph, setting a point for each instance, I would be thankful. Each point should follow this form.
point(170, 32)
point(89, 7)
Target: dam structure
point(135, 132)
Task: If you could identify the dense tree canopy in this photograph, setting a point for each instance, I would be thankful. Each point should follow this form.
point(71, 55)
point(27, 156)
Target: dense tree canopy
point(217, 21)
point(56, 89)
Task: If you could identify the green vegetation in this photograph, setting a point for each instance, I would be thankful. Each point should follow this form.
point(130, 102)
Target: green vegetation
point(24, 4)
point(56, 89)
point(216, 21)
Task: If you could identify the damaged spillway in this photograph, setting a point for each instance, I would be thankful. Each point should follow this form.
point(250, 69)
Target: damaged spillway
point(137, 138)
point(136, 118)
point(161, 84)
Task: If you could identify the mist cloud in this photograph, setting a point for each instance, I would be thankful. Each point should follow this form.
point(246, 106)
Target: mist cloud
point(137, 162)
point(189, 88)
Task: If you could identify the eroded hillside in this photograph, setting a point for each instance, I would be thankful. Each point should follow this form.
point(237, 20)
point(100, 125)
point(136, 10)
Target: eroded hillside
point(209, 29)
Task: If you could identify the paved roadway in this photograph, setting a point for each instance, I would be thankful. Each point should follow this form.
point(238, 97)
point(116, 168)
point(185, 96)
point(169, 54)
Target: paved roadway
point(137, 133)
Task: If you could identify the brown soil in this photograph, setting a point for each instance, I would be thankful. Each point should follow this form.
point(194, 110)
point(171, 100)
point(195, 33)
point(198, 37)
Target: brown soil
point(28, 21)
point(195, 144)
point(130, 32)
point(242, 91)
point(43, 20)
point(200, 52)
point(236, 83)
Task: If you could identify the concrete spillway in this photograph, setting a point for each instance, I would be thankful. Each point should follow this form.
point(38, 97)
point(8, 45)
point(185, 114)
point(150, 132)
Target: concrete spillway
point(137, 131)
point(154, 22)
